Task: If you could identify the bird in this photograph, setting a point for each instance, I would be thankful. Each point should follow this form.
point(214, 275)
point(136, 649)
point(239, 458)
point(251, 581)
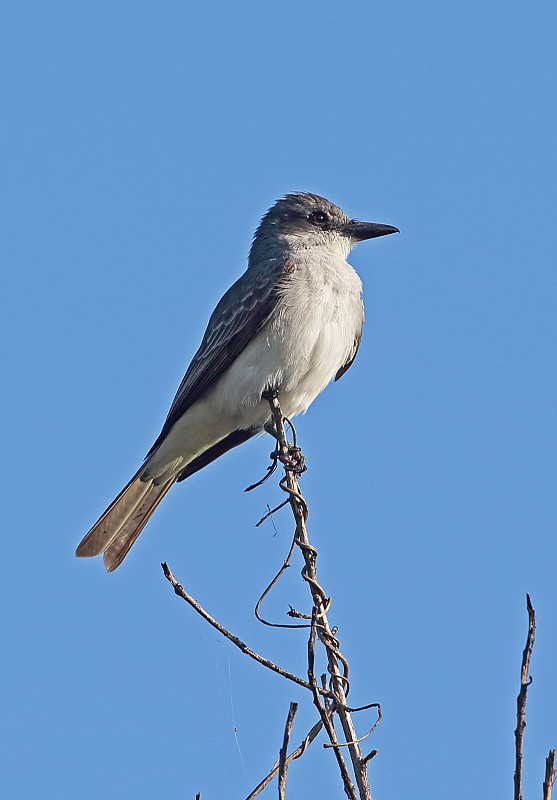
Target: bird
point(290, 324)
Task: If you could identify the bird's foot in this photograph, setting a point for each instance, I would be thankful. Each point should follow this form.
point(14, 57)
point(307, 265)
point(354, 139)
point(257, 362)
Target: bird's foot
point(270, 394)
point(294, 461)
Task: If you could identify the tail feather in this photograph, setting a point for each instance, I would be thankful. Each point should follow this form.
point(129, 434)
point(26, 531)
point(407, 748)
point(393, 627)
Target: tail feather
point(123, 521)
point(120, 544)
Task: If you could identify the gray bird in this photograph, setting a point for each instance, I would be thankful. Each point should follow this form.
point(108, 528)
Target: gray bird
point(291, 323)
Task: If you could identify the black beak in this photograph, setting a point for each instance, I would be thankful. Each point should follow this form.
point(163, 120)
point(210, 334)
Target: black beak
point(367, 230)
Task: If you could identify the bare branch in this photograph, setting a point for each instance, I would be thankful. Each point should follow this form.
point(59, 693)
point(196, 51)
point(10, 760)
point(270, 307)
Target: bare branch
point(525, 681)
point(296, 754)
point(549, 775)
point(326, 714)
point(181, 592)
point(283, 762)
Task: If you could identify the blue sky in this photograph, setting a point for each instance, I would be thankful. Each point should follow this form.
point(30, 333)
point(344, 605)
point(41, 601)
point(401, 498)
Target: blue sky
point(144, 142)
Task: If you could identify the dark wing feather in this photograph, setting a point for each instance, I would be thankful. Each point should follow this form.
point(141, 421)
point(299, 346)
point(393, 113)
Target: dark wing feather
point(346, 366)
point(232, 440)
point(240, 314)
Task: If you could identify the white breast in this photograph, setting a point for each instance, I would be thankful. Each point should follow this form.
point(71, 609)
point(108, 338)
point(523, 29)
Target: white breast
point(309, 337)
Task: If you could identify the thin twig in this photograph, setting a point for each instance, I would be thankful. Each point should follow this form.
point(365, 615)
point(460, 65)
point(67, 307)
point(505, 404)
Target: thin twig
point(181, 592)
point(549, 775)
point(525, 681)
point(283, 761)
point(295, 754)
point(370, 756)
point(270, 513)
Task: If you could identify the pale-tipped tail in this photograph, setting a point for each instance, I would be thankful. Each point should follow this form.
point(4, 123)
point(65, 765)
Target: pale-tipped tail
point(123, 521)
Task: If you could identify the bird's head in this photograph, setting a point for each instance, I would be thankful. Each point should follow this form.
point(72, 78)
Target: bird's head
point(304, 221)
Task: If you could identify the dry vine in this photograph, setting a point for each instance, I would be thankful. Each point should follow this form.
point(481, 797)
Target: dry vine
point(337, 664)
point(329, 697)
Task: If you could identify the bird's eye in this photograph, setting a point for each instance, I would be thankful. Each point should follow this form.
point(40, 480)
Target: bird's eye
point(318, 217)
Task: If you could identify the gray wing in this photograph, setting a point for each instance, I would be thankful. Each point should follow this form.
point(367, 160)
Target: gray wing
point(240, 314)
